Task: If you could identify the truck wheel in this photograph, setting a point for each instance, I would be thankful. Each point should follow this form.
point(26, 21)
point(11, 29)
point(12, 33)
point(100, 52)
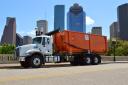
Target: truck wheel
point(96, 59)
point(36, 61)
point(87, 60)
point(26, 63)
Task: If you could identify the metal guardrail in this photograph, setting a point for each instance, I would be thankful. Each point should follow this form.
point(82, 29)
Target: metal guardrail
point(7, 58)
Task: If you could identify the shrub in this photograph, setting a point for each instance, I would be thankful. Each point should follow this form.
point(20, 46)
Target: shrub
point(7, 49)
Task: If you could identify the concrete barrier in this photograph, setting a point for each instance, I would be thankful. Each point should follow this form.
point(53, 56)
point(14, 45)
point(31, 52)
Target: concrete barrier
point(118, 58)
point(7, 58)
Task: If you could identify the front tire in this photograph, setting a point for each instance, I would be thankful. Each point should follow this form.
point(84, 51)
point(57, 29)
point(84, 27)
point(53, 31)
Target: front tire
point(26, 63)
point(36, 61)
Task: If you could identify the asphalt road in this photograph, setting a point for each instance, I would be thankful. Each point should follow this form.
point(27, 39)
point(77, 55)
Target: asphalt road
point(64, 74)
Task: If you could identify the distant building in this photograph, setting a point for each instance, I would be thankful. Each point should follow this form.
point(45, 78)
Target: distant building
point(19, 40)
point(27, 40)
point(76, 20)
point(9, 33)
point(114, 31)
point(59, 17)
point(97, 30)
point(123, 21)
point(42, 27)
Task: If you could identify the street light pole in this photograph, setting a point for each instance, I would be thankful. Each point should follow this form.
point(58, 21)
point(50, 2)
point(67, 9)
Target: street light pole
point(114, 59)
point(114, 45)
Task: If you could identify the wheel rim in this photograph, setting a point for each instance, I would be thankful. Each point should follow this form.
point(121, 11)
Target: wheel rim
point(36, 61)
point(96, 60)
point(88, 60)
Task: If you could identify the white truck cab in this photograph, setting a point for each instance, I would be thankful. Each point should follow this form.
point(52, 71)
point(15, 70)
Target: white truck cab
point(42, 44)
point(40, 51)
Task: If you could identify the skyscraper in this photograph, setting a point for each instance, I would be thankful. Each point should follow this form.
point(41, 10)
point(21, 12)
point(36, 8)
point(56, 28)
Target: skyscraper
point(123, 21)
point(27, 40)
point(19, 40)
point(59, 17)
point(97, 30)
point(114, 31)
point(42, 27)
point(76, 20)
point(9, 33)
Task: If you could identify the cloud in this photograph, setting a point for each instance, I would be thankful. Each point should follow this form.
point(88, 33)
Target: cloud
point(31, 33)
point(22, 33)
point(89, 21)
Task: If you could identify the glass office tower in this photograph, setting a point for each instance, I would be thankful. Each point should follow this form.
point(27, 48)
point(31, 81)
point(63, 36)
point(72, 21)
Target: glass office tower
point(76, 19)
point(59, 17)
point(123, 21)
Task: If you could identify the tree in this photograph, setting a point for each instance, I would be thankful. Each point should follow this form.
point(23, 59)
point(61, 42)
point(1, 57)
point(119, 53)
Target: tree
point(121, 48)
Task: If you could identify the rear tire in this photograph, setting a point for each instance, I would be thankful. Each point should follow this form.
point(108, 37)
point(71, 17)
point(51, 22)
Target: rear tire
point(86, 60)
point(36, 61)
point(96, 59)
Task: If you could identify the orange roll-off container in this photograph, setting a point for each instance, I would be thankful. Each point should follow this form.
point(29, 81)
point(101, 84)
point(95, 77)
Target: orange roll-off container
point(71, 42)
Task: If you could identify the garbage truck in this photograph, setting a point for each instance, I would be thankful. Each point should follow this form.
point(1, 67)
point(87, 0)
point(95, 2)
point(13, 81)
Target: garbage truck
point(66, 46)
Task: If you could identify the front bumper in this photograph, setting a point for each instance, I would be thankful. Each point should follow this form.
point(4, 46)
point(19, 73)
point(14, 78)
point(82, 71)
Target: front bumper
point(21, 58)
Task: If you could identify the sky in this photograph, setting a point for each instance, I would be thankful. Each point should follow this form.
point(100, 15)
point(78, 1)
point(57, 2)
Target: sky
point(27, 12)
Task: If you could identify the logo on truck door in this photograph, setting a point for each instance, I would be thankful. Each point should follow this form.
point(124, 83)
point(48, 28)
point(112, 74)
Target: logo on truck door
point(86, 37)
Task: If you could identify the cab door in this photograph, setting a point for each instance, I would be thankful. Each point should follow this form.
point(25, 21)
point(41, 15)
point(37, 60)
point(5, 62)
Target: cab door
point(48, 45)
point(43, 46)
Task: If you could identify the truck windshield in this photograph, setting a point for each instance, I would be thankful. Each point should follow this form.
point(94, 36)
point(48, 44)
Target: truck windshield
point(37, 40)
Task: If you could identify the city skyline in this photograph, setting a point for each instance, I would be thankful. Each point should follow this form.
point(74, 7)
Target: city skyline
point(42, 27)
point(122, 13)
point(9, 32)
point(96, 30)
point(114, 31)
point(59, 17)
point(76, 18)
point(26, 17)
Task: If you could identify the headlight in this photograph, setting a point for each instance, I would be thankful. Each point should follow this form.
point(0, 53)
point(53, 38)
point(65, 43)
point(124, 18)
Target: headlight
point(35, 46)
point(17, 52)
point(27, 54)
